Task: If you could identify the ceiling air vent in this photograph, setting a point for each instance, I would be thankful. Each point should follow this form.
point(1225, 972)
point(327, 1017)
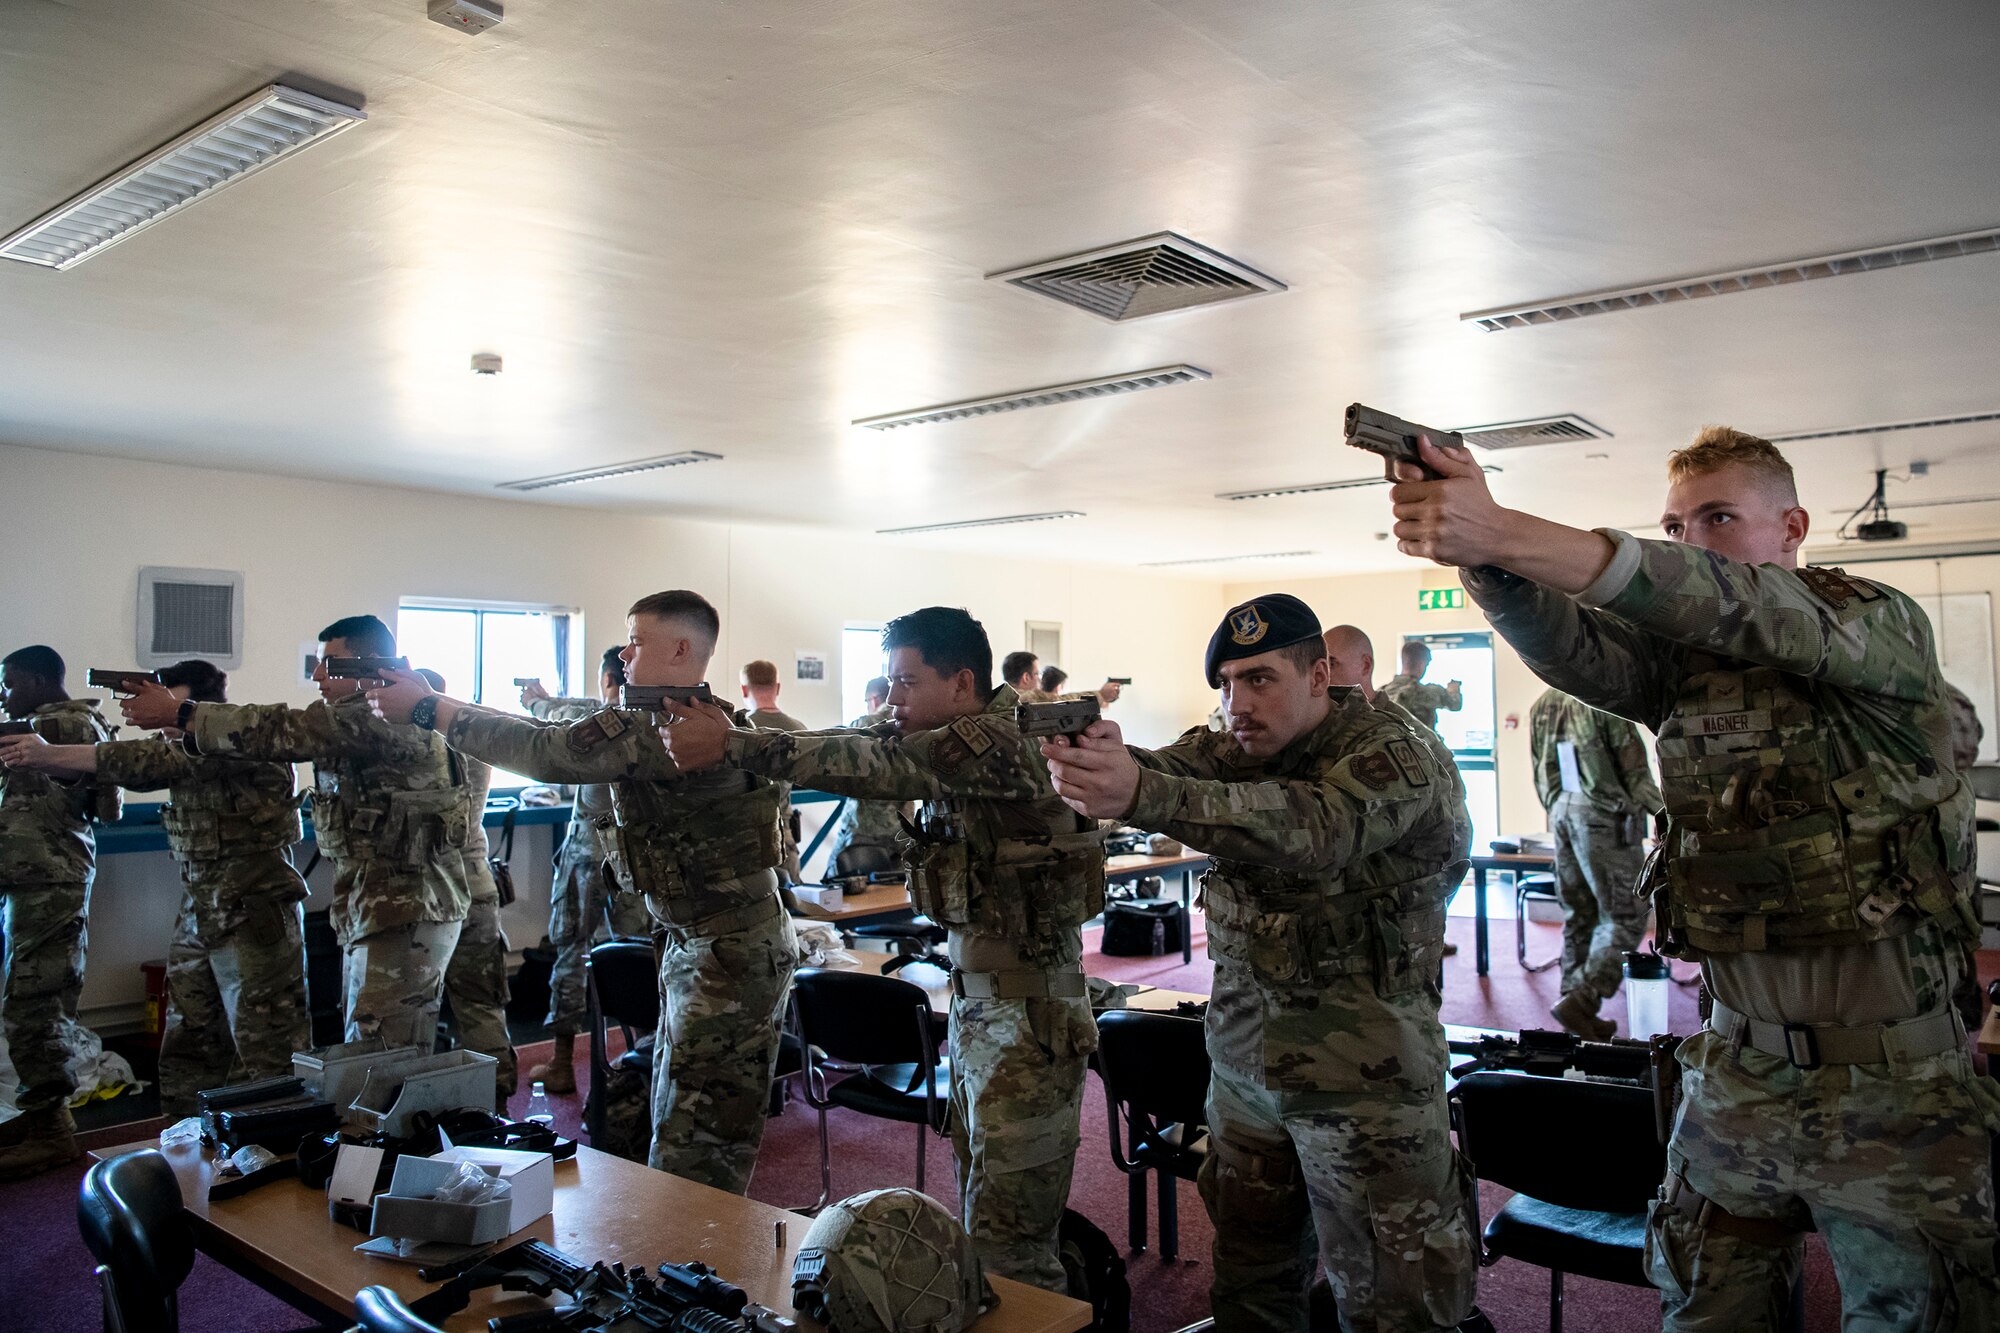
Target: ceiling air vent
point(1842, 432)
point(187, 613)
point(1044, 397)
point(1539, 430)
point(1316, 487)
point(1150, 276)
point(1226, 559)
point(1779, 274)
point(982, 522)
point(610, 470)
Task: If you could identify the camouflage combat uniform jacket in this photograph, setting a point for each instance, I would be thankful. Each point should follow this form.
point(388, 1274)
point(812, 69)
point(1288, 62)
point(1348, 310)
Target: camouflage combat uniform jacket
point(865, 823)
point(229, 822)
point(45, 833)
point(1420, 699)
point(592, 838)
point(388, 805)
point(1333, 861)
point(1611, 774)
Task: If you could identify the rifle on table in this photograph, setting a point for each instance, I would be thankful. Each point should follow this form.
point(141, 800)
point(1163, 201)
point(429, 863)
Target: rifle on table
point(648, 698)
point(1650, 1064)
point(1070, 715)
point(363, 668)
point(120, 682)
point(1394, 438)
point(603, 1298)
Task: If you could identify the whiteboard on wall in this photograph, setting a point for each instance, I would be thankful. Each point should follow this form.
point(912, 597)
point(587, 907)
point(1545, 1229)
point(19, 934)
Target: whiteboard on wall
point(1962, 624)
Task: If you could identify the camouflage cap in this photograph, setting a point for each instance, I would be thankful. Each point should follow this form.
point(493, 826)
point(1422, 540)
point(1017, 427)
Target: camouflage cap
point(1261, 625)
point(890, 1261)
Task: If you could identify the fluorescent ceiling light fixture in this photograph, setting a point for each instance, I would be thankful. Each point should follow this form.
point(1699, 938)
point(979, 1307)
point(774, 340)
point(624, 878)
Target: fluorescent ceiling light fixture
point(610, 470)
point(1841, 432)
point(1315, 487)
point(1226, 559)
point(263, 128)
point(982, 522)
point(1054, 393)
point(1735, 280)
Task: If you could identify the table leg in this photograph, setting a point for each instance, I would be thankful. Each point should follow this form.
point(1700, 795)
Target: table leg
point(1479, 919)
point(1187, 916)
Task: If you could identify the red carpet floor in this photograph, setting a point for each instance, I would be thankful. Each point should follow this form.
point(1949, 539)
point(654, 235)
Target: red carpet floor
point(45, 1283)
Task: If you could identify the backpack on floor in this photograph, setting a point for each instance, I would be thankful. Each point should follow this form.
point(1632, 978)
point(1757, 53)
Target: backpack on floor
point(1145, 928)
point(1096, 1273)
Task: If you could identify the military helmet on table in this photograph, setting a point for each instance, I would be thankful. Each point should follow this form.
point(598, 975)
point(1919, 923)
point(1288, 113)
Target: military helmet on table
point(890, 1261)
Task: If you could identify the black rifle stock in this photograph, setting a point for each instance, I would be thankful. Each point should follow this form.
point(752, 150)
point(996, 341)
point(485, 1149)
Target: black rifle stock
point(1394, 438)
point(364, 668)
point(24, 727)
point(686, 1298)
point(120, 682)
point(1650, 1063)
point(1067, 716)
point(648, 698)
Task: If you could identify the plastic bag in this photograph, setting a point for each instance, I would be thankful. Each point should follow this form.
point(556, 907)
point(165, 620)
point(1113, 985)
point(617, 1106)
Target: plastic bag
point(247, 1159)
point(470, 1184)
point(182, 1131)
point(820, 945)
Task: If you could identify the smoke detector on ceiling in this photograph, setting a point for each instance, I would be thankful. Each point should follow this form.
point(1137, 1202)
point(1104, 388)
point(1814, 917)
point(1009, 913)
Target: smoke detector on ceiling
point(468, 16)
point(1148, 276)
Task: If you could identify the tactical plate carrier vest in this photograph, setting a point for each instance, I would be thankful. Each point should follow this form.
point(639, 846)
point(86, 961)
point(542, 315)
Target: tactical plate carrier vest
point(688, 840)
point(997, 868)
point(227, 808)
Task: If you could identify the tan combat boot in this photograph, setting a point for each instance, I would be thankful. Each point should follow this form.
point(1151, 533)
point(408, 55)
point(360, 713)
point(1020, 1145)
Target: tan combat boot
point(1577, 1012)
point(559, 1074)
point(38, 1141)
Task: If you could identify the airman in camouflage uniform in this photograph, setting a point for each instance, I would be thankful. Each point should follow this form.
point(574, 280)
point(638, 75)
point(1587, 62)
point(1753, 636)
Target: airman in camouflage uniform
point(875, 826)
point(1591, 773)
point(703, 848)
point(236, 980)
point(476, 977)
point(1421, 701)
point(1012, 874)
point(389, 811)
point(1816, 858)
point(1336, 837)
point(48, 857)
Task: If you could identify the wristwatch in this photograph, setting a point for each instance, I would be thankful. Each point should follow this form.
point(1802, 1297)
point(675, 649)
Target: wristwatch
point(184, 718)
point(425, 714)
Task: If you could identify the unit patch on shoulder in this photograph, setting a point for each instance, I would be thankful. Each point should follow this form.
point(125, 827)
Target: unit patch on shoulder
point(977, 742)
point(949, 754)
point(1837, 588)
point(1373, 769)
point(588, 734)
point(1403, 753)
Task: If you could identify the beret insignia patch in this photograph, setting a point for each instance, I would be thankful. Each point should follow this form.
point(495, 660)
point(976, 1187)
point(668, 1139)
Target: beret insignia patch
point(1248, 626)
point(1374, 769)
point(1404, 755)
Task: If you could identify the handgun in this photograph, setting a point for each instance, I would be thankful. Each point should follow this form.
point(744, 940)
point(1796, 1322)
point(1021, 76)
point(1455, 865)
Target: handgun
point(1395, 439)
point(525, 681)
point(1067, 716)
point(120, 682)
point(648, 698)
point(363, 668)
point(1117, 680)
point(24, 727)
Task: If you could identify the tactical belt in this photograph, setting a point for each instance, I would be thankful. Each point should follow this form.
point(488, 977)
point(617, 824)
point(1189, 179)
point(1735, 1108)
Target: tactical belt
point(1273, 1168)
point(1017, 985)
point(1810, 1045)
point(1705, 1212)
point(734, 919)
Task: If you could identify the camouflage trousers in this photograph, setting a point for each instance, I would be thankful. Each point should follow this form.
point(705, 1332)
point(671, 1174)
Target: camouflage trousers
point(395, 982)
point(1374, 1179)
point(45, 948)
point(236, 1001)
point(476, 981)
point(1597, 876)
point(1892, 1164)
point(578, 901)
point(1016, 1101)
point(722, 1001)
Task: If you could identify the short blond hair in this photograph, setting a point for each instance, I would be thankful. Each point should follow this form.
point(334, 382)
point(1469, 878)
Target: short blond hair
point(1718, 447)
point(760, 674)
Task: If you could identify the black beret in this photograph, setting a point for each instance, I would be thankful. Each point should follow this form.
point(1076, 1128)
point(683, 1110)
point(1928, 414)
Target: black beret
point(1261, 625)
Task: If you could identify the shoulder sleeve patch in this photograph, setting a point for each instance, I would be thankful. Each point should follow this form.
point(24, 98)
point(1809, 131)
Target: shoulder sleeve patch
point(593, 731)
point(1837, 588)
point(1402, 753)
point(1375, 769)
point(974, 736)
point(950, 753)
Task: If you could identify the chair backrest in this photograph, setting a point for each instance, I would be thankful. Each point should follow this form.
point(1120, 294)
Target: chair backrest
point(625, 977)
point(860, 1018)
point(865, 859)
point(1155, 1064)
point(1528, 1132)
point(133, 1220)
point(380, 1310)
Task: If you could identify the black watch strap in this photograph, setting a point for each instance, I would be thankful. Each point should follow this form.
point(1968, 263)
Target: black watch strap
point(425, 713)
point(185, 717)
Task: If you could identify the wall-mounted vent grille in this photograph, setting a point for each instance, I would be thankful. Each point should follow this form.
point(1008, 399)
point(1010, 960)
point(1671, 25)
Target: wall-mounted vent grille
point(1540, 430)
point(270, 124)
point(1106, 387)
point(1735, 280)
point(982, 522)
point(190, 613)
point(1227, 559)
point(1841, 432)
point(610, 470)
point(1149, 276)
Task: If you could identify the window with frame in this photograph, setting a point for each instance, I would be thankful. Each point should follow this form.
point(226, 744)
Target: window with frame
point(861, 660)
point(482, 648)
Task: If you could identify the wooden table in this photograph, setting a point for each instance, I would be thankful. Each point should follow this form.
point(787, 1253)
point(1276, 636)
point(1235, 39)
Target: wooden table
point(1117, 869)
point(606, 1208)
point(1514, 863)
point(1989, 1039)
point(936, 983)
point(882, 901)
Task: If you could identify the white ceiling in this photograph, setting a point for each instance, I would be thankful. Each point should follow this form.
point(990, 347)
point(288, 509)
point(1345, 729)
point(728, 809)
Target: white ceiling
point(736, 225)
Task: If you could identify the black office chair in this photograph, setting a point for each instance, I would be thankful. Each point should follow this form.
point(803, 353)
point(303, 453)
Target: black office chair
point(878, 1032)
point(1155, 1073)
point(917, 938)
point(132, 1218)
point(1572, 1212)
point(622, 986)
point(1543, 889)
point(380, 1310)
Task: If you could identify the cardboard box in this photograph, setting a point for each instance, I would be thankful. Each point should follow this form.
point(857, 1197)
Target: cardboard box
point(532, 1174)
point(406, 1210)
point(826, 896)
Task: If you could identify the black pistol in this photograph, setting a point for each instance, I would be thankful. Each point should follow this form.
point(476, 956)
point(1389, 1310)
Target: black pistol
point(364, 668)
point(648, 698)
point(1067, 716)
point(120, 682)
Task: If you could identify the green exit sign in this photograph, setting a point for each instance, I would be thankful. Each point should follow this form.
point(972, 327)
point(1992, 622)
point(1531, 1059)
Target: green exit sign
point(1440, 599)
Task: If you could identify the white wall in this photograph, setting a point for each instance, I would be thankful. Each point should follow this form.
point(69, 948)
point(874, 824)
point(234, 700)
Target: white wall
point(74, 531)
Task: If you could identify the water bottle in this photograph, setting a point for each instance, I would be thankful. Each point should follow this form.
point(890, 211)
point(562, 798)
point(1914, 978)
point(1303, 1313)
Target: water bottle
point(539, 1111)
point(1647, 984)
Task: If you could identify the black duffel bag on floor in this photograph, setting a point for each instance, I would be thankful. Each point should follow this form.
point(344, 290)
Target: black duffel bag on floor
point(1143, 928)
